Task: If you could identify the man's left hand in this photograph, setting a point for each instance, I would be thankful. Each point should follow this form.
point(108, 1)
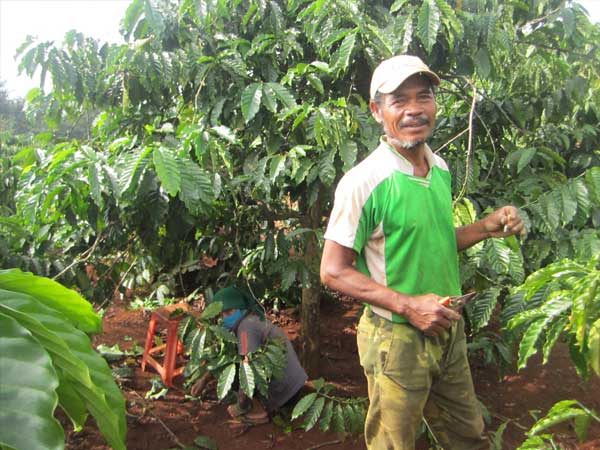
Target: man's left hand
point(504, 222)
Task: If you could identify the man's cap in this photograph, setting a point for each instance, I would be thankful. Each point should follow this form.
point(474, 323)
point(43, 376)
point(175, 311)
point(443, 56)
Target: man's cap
point(392, 72)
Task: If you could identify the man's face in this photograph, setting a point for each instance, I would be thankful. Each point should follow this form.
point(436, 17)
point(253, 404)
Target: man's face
point(408, 113)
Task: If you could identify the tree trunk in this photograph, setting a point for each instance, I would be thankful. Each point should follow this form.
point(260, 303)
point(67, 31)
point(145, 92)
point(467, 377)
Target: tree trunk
point(311, 339)
point(311, 298)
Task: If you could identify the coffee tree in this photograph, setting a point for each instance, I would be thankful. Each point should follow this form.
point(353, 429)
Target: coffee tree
point(218, 131)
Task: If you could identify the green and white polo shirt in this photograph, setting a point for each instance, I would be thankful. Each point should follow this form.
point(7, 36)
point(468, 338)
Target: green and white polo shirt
point(400, 225)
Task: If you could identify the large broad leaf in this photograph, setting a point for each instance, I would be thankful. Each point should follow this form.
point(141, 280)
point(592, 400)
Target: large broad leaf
point(483, 63)
point(198, 338)
point(283, 95)
point(569, 203)
point(343, 54)
point(167, 169)
point(226, 381)
point(552, 335)
point(303, 405)
point(337, 421)
point(247, 379)
point(326, 170)
point(27, 391)
point(348, 152)
point(72, 404)
point(95, 184)
point(313, 413)
point(196, 186)
point(250, 101)
point(526, 155)
point(594, 346)
point(481, 311)
point(132, 168)
point(212, 310)
point(76, 363)
point(68, 303)
point(560, 412)
point(428, 24)
point(276, 167)
point(269, 99)
point(528, 348)
point(326, 416)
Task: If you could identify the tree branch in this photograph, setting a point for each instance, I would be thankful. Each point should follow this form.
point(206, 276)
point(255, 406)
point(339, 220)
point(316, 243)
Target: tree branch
point(439, 149)
point(167, 429)
point(84, 256)
point(463, 189)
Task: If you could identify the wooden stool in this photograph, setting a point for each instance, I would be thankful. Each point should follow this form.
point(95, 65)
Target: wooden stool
point(173, 347)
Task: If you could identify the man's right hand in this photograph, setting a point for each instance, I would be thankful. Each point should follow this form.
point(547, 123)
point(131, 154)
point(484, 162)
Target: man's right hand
point(427, 314)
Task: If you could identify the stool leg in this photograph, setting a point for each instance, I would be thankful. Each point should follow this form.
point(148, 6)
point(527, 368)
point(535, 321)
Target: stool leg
point(149, 340)
point(171, 353)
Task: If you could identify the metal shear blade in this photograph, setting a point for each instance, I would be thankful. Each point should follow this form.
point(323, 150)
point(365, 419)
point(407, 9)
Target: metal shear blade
point(460, 300)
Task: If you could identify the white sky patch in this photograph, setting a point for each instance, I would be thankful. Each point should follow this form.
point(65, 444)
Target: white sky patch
point(99, 19)
point(50, 20)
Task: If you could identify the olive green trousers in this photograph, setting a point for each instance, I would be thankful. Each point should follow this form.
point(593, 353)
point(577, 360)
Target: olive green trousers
point(411, 376)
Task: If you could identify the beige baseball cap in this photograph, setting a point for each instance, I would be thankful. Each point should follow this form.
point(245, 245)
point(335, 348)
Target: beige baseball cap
point(392, 72)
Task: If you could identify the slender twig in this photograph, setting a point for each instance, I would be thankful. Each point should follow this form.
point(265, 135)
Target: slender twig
point(533, 22)
point(439, 149)
point(70, 132)
point(180, 263)
point(323, 444)
point(582, 406)
point(508, 419)
point(463, 189)
point(481, 274)
point(435, 439)
point(167, 429)
point(487, 130)
point(84, 256)
point(118, 284)
point(200, 86)
point(123, 277)
point(550, 47)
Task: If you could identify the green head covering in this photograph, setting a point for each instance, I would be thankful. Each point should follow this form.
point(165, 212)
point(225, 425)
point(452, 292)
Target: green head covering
point(233, 298)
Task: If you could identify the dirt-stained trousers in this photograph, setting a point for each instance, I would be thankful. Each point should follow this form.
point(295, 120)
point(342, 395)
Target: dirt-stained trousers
point(411, 376)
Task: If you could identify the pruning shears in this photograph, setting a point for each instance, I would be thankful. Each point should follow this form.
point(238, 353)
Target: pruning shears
point(459, 301)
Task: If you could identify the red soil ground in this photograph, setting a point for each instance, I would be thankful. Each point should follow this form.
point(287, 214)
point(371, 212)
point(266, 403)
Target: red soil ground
point(512, 397)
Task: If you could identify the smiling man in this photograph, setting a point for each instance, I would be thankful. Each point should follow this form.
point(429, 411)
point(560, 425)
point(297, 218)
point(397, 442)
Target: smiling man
point(391, 243)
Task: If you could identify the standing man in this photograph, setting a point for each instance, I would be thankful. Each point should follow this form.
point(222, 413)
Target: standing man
point(391, 243)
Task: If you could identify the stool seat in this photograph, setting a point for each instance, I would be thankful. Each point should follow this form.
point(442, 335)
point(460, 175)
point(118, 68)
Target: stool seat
point(165, 318)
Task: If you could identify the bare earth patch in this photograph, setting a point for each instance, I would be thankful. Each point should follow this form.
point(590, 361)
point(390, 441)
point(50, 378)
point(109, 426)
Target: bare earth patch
point(535, 388)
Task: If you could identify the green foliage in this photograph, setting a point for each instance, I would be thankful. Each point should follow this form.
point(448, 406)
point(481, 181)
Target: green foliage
point(563, 411)
point(213, 349)
point(330, 412)
point(45, 319)
point(204, 442)
point(25, 360)
point(214, 137)
point(157, 389)
point(493, 348)
point(218, 126)
point(561, 299)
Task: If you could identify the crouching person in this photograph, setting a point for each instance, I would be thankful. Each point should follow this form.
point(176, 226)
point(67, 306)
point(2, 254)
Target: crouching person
point(245, 318)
